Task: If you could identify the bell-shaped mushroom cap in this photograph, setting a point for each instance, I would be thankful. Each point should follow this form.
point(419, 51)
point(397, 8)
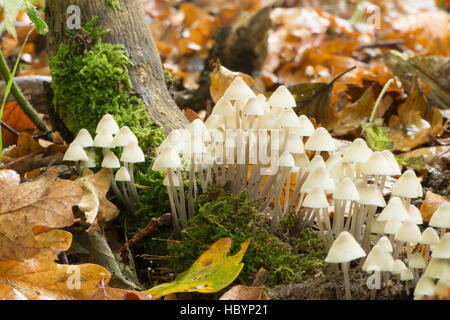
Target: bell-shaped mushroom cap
point(103, 139)
point(406, 275)
point(378, 257)
point(398, 266)
point(377, 226)
point(286, 160)
point(407, 186)
point(75, 153)
point(84, 139)
point(320, 140)
point(370, 195)
point(358, 151)
point(424, 287)
point(198, 130)
point(344, 249)
point(110, 161)
point(315, 199)
point(215, 122)
point(408, 232)
point(263, 101)
point(385, 243)
point(223, 107)
point(441, 286)
point(442, 249)
point(346, 190)
point(441, 217)
point(132, 153)
point(414, 214)
point(417, 261)
point(394, 208)
point(175, 180)
point(393, 164)
point(306, 127)
point(333, 160)
point(438, 269)
point(168, 159)
point(288, 119)
point(122, 175)
point(240, 104)
point(108, 124)
point(392, 225)
point(316, 162)
point(429, 237)
point(319, 178)
point(124, 137)
point(253, 107)
point(295, 144)
point(301, 160)
point(282, 98)
point(238, 90)
point(376, 165)
point(342, 170)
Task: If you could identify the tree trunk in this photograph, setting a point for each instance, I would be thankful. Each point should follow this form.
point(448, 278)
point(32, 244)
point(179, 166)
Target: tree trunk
point(129, 27)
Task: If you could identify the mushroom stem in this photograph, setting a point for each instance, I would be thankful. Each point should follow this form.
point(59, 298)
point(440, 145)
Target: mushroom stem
point(117, 192)
point(286, 193)
point(300, 202)
point(182, 197)
point(328, 225)
point(128, 203)
point(202, 177)
point(351, 210)
point(253, 178)
point(397, 249)
point(345, 269)
point(322, 232)
point(382, 183)
point(134, 194)
point(190, 188)
point(175, 223)
point(370, 218)
point(408, 251)
point(301, 177)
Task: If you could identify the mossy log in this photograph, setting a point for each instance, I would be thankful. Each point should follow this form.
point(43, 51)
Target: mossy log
point(128, 27)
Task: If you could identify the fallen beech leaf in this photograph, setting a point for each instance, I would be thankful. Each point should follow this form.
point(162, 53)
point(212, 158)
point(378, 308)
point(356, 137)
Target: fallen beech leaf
point(417, 122)
point(44, 202)
point(96, 207)
point(241, 292)
point(190, 114)
point(211, 272)
point(221, 78)
point(437, 157)
point(24, 146)
point(430, 204)
point(40, 278)
point(14, 116)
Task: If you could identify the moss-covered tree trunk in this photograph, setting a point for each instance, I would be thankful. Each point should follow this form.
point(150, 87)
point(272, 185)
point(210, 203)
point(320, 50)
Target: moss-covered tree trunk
point(129, 27)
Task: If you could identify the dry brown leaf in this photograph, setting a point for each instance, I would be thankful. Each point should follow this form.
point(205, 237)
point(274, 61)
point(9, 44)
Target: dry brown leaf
point(241, 292)
point(221, 78)
point(96, 207)
point(45, 202)
point(24, 146)
point(430, 204)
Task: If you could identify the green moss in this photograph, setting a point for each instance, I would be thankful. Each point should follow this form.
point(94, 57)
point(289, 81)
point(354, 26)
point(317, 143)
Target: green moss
point(113, 4)
point(287, 257)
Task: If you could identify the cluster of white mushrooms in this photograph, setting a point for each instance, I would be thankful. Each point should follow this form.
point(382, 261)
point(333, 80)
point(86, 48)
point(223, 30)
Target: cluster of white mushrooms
point(110, 136)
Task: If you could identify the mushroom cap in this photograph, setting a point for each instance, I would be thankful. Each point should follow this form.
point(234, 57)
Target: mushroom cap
point(398, 266)
point(414, 214)
point(124, 137)
point(319, 178)
point(253, 107)
point(394, 208)
point(306, 127)
point(175, 180)
point(286, 160)
point(301, 160)
point(407, 186)
point(385, 243)
point(438, 269)
point(370, 195)
point(424, 287)
point(442, 249)
point(198, 130)
point(84, 138)
point(441, 286)
point(122, 175)
point(104, 139)
point(377, 226)
point(344, 249)
point(320, 140)
point(288, 119)
point(282, 98)
point(110, 161)
point(238, 90)
point(342, 170)
point(223, 107)
point(263, 101)
point(90, 163)
point(358, 151)
point(295, 144)
point(168, 159)
point(346, 190)
point(132, 153)
point(108, 124)
point(378, 257)
point(392, 225)
point(215, 122)
point(75, 153)
point(316, 162)
point(315, 199)
point(441, 217)
point(429, 236)
point(334, 159)
point(376, 165)
point(393, 164)
point(417, 261)
point(406, 275)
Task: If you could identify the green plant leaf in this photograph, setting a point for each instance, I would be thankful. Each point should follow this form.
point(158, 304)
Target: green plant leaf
point(377, 136)
point(213, 271)
point(34, 16)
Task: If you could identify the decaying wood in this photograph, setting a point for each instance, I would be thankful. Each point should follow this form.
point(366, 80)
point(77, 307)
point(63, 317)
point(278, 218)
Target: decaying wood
point(128, 26)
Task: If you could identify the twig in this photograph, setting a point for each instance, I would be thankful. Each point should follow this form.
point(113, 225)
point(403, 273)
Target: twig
point(7, 127)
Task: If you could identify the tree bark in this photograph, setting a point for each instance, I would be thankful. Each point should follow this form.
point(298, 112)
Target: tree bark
point(129, 27)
